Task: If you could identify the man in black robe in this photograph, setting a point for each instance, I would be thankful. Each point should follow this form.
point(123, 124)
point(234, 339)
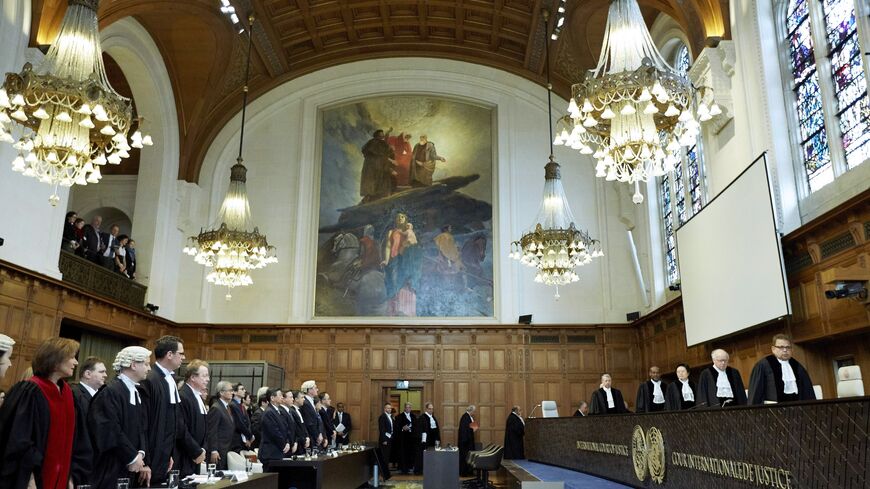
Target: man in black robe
point(162, 400)
point(514, 431)
point(326, 417)
point(385, 439)
point(651, 393)
point(244, 437)
point(779, 377)
point(117, 422)
point(607, 400)
point(190, 449)
point(465, 440)
point(682, 393)
point(430, 435)
point(343, 425)
point(92, 377)
point(406, 439)
point(582, 409)
point(720, 385)
point(275, 444)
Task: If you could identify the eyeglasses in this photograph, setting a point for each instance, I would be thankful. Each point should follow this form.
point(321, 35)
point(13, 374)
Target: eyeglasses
point(787, 347)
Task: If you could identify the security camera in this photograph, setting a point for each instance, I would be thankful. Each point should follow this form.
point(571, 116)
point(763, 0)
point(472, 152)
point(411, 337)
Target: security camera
point(845, 289)
point(152, 308)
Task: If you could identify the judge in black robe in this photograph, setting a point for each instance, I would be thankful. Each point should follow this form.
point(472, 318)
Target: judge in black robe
point(582, 410)
point(465, 440)
point(646, 401)
point(341, 417)
point(191, 444)
point(766, 382)
point(386, 428)
point(428, 435)
point(117, 424)
point(83, 452)
point(674, 399)
point(163, 419)
point(514, 431)
point(406, 439)
point(707, 390)
point(599, 398)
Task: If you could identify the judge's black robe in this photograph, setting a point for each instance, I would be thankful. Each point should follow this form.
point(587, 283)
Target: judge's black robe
point(83, 453)
point(405, 443)
point(514, 432)
point(599, 402)
point(191, 443)
point(117, 431)
point(163, 419)
point(644, 402)
point(765, 381)
point(465, 443)
point(674, 396)
point(345, 420)
point(424, 426)
point(706, 395)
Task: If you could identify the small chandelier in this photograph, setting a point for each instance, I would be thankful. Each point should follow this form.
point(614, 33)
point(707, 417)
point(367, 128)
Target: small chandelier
point(554, 246)
point(233, 246)
point(633, 112)
point(67, 118)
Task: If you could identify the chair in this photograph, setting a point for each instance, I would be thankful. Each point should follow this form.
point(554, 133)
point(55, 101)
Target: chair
point(849, 383)
point(483, 463)
point(235, 461)
point(549, 409)
point(818, 390)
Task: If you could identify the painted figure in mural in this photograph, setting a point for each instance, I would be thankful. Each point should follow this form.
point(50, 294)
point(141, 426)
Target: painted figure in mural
point(425, 158)
point(369, 255)
point(473, 255)
point(402, 259)
point(378, 171)
point(449, 259)
point(404, 153)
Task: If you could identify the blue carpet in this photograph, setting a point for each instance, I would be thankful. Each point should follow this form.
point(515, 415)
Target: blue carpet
point(572, 479)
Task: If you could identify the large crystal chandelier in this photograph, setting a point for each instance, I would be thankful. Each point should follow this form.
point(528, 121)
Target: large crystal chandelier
point(66, 118)
point(633, 112)
point(233, 246)
point(553, 245)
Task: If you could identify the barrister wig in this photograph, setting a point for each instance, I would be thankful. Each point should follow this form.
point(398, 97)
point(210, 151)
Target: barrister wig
point(127, 356)
point(6, 344)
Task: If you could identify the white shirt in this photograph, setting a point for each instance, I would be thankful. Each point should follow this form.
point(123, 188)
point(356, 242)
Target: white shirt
point(688, 395)
point(173, 387)
point(723, 387)
point(610, 403)
point(432, 423)
point(389, 433)
point(658, 397)
point(88, 388)
point(788, 377)
point(198, 399)
point(110, 242)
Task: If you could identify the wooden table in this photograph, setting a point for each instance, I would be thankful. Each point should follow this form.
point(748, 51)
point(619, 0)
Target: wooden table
point(440, 469)
point(255, 481)
point(346, 471)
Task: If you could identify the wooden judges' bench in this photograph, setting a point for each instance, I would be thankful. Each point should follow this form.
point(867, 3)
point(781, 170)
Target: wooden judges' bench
point(814, 444)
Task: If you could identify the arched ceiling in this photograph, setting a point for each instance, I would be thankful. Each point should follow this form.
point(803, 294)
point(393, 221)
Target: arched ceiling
point(204, 54)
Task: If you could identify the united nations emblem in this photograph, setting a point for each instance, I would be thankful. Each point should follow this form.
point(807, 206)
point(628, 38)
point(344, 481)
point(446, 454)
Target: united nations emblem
point(655, 454)
point(639, 453)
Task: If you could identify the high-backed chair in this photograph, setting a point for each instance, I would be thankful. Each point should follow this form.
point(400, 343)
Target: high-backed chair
point(818, 390)
point(549, 409)
point(849, 382)
point(235, 461)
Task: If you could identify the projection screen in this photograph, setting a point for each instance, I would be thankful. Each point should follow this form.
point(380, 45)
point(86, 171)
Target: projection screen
point(730, 258)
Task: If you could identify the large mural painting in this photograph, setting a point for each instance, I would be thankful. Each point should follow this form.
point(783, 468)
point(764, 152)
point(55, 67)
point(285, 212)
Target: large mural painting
point(405, 224)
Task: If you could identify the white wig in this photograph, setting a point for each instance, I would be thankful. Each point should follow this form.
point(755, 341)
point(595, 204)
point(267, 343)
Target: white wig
point(6, 343)
point(127, 356)
point(308, 384)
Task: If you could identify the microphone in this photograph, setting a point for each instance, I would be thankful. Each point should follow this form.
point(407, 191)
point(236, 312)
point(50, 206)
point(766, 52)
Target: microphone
point(700, 404)
point(725, 402)
point(533, 410)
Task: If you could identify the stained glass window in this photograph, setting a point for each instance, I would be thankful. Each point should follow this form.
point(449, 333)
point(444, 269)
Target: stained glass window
point(682, 62)
point(694, 177)
point(850, 84)
point(811, 122)
point(668, 225)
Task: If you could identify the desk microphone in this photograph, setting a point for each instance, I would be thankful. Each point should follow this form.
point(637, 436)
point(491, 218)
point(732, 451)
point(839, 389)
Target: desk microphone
point(725, 402)
point(533, 410)
point(700, 404)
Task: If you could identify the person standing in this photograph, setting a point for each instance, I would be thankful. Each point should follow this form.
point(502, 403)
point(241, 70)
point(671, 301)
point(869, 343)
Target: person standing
point(378, 173)
point(38, 422)
point(778, 377)
point(343, 425)
point(514, 432)
point(582, 409)
point(430, 434)
point(465, 442)
point(423, 165)
point(681, 394)
point(190, 450)
point(303, 441)
point(109, 247)
point(406, 442)
point(607, 400)
point(117, 421)
point(385, 439)
point(651, 394)
point(275, 445)
point(161, 399)
point(93, 241)
point(221, 426)
point(720, 385)
point(309, 413)
point(92, 377)
point(244, 437)
point(326, 417)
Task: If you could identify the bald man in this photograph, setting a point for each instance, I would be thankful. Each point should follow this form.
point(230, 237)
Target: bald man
point(720, 385)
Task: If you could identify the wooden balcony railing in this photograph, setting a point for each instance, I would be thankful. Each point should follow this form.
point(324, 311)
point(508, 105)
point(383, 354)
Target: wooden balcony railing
point(96, 279)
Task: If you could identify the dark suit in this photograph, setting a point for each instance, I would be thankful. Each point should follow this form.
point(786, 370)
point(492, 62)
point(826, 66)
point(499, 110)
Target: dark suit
point(406, 443)
point(312, 421)
point(599, 402)
point(243, 426)
point(131, 262)
point(424, 427)
point(163, 421)
point(108, 242)
point(83, 455)
point(92, 243)
point(221, 431)
point(342, 418)
point(301, 432)
point(328, 426)
point(274, 432)
point(256, 423)
point(192, 441)
point(385, 442)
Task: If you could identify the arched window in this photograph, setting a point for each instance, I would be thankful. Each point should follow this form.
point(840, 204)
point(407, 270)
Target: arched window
point(682, 193)
point(833, 136)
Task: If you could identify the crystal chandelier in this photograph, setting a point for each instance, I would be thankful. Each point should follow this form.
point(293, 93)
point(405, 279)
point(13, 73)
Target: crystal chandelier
point(67, 119)
point(633, 112)
point(554, 246)
point(233, 246)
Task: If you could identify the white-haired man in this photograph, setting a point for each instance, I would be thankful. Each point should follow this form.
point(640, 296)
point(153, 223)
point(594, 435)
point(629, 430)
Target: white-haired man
point(720, 385)
point(309, 412)
point(116, 421)
point(465, 442)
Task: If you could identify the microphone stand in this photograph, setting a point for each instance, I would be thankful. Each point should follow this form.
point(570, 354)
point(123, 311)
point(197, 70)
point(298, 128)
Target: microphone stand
point(533, 410)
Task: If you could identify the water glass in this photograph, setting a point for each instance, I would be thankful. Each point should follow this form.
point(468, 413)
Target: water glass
point(249, 466)
point(437, 444)
point(172, 481)
point(210, 468)
point(124, 483)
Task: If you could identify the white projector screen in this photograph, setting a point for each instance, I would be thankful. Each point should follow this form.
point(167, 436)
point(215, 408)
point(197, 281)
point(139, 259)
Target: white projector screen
point(730, 256)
